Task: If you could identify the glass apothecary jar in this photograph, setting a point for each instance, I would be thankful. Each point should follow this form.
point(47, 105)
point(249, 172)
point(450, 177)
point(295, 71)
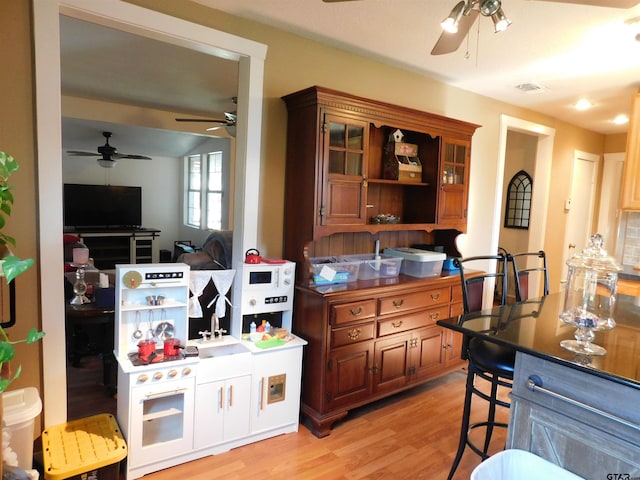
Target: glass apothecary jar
point(590, 296)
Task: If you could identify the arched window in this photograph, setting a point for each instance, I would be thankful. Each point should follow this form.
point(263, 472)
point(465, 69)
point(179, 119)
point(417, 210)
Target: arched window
point(518, 210)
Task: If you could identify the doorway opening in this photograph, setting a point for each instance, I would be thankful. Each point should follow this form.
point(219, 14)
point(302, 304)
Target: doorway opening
point(250, 56)
point(523, 146)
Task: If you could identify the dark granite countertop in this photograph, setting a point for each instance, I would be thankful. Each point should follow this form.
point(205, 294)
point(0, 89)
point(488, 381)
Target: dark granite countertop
point(534, 327)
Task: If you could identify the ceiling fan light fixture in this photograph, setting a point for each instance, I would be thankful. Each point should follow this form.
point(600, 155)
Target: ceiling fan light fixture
point(450, 24)
point(106, 163)
point(489, 7)
point(500, 21)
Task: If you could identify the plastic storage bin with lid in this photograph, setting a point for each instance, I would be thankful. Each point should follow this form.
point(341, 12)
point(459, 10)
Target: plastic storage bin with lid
point(375, 266)
point(19, 410)
point(417, 262)
point(514, 464)
point(88, 448)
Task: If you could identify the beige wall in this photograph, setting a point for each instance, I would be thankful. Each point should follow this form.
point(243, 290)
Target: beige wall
point(17, 138)
point(615, 143)
point(292, 63)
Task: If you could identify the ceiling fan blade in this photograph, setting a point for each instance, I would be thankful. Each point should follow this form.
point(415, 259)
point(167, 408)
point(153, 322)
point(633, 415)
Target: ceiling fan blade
point(450, 42)
point(207, 120)
point(78, 153)
point(600, 3)
point(135, 157)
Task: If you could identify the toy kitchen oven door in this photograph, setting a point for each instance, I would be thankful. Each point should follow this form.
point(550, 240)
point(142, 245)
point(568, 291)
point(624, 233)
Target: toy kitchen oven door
point(267, 294)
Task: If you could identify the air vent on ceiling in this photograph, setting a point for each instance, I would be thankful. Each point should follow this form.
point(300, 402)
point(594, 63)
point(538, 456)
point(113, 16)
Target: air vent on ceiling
point(530, 87)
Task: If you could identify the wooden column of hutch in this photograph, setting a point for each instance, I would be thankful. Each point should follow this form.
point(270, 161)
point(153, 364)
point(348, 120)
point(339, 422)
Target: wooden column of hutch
point(370, 339)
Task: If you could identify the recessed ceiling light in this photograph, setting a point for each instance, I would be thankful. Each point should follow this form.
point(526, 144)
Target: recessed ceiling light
point(583, 104)
point(621, 119)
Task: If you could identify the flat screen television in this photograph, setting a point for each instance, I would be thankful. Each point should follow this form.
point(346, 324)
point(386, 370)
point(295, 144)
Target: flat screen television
point(102, 206)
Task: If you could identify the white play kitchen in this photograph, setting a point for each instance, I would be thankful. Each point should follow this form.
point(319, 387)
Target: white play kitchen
point(177, 403)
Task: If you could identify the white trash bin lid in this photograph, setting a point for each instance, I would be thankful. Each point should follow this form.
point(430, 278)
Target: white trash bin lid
point(513, 464)
point(20, 405)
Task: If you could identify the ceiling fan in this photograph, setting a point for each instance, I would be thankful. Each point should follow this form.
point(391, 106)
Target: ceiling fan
point(228, 121)
point(464, 13)
point(107, 153)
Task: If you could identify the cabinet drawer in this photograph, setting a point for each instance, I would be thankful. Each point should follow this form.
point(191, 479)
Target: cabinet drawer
point(456, 294)
point(353, 312)
point(457, 309)
point(428, 298)
point(352, 334)
point(409, 322)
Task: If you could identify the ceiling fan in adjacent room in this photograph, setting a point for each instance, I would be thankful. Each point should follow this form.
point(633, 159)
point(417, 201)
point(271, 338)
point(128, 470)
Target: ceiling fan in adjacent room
point(463, 15)
point(228, 121)
point(107, 153)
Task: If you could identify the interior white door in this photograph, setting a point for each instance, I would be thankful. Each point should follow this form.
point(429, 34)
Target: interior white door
point(580, 206)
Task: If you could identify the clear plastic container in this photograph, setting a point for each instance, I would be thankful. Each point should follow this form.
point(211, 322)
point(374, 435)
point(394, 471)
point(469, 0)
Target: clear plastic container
point(385, 266)
point(328, 270)
point(417, 262)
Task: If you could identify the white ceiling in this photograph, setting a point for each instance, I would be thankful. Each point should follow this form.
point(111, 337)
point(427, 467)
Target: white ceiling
point(101, 63)
point(572, 51)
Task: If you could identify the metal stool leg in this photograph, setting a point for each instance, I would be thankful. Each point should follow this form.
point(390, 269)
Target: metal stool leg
point(464, 429)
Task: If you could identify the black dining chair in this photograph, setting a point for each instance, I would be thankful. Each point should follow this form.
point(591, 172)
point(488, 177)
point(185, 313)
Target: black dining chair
point(525, 266)
point(486, 360)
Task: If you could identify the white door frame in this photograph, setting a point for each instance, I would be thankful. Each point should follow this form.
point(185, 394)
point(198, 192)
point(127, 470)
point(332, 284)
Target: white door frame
point(541, 184)
point(566, 252)
point(140, 21)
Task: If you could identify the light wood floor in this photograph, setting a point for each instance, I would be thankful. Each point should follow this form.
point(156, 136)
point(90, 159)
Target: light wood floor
point(412, 435)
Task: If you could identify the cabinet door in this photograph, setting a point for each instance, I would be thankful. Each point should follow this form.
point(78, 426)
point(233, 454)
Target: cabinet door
point(630, 197)
point(236, 404)
point(427, 354)
point(344, 170)
point(454, 182)
point(209, 414)
point(276, 390)
point(349, 374)
point(452, 347)
point(222, 411)
point(390, 367)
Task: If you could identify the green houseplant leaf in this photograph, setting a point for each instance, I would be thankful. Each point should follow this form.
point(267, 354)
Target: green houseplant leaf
point(10, 267)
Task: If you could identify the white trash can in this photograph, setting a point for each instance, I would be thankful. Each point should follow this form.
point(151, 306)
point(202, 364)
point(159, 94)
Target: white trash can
point(513, 464)
point(19, 410)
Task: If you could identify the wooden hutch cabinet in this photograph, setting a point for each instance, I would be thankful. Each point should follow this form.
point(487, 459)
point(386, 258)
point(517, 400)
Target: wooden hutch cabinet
point(371, 338)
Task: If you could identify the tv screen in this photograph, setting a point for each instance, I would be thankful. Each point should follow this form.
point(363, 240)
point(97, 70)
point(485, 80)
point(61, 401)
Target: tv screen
point(102, 206)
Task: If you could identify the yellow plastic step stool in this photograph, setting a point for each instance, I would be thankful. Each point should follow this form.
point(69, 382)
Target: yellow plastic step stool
point(88, 448)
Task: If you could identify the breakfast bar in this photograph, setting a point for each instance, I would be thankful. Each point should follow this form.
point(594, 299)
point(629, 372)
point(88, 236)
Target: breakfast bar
point(579, 412)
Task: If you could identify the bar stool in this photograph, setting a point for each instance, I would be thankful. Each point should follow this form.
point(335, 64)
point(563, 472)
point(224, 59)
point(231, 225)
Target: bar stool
point(486, 360)
point(523, 271)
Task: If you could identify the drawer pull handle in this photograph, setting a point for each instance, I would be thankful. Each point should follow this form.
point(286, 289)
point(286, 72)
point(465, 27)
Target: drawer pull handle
point(434, 316)
point(435, 296)
point(398, 303)
point(355, 311)
point(397, 323)
point(353, 334)
point(534, 383)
